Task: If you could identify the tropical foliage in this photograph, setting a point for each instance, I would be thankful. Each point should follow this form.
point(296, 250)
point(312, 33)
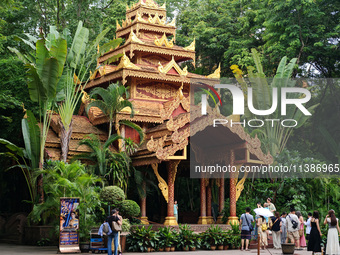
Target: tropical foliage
point(68, 180)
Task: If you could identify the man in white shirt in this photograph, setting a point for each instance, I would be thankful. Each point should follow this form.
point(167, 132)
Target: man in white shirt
point(308, 226)
point(293, 226)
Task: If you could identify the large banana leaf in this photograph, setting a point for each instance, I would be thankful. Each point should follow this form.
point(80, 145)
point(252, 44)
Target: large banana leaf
point(78, 45)
point(50, 78)
point(59, 52)
point(31, 133)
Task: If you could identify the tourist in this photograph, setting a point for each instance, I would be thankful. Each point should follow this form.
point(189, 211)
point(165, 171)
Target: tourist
point(261, 228)
point(293, 226)
point(308, 227)
point(114, 235)
point(246, 227)
point(283, 228)
point(314, 243)
point(256, 217)
point(176, 210)
point(266, 206)
point(276, 224)
point(301, 230)
point(333, 232)
point(271, 206)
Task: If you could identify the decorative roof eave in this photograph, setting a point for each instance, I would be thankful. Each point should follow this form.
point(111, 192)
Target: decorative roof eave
point(180, 54)
point(123, 74)
point(199, 123)
point(137, 26)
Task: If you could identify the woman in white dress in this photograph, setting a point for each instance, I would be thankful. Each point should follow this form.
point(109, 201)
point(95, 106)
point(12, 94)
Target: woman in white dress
point(332, 236)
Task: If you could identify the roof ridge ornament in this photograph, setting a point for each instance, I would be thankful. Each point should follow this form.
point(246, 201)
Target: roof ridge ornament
point(172, 64)
point(216, 74)
point(126, 63)
point(191, 46)
point(172, 23)
point(164, 40)
point(133, 38)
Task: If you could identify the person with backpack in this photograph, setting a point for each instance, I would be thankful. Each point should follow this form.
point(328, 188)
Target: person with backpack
point(275, 228)
point(261, 229)
point(115, 222)
point(246, 227)
point(293, 226)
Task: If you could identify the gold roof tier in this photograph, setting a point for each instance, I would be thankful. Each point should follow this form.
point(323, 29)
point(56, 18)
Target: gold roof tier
point(145, 7)
point(179, 53)
point(146, 72)
point(81, 127)
point(139, 27)
point(145, 111)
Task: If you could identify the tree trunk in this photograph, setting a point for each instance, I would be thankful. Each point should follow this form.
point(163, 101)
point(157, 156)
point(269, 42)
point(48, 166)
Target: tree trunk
point(65, 137)
point(40, 185)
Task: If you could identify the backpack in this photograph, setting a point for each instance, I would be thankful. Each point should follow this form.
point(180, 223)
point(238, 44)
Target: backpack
point(106, 228)
point(264, 226)
point(295, 224)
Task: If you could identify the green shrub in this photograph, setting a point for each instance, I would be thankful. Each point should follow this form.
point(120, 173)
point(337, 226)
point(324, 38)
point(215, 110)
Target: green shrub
point(112, 195)
point(129, 208)
point(126, 225)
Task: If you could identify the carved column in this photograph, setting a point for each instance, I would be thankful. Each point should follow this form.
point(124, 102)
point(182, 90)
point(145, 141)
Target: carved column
point(203, 218)
point(144, 218)
point(172, 170)
point(220, 199)
point(232, 219)
point(209, 198)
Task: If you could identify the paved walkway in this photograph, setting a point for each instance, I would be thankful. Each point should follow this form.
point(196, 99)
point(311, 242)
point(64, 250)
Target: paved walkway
point(11, 249)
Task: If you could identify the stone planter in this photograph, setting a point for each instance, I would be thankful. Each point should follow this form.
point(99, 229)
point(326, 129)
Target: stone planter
point(172, 249)
point(220, 247)
point(192, 248)
point(213, 247)
point(167, 248)
point(288, 248)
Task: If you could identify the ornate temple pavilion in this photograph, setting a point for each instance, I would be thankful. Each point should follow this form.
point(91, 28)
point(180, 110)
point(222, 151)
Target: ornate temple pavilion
point(151, 67)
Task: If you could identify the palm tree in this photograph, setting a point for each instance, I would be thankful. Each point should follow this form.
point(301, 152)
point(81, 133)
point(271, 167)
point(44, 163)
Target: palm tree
point(103, 156)
point(112, 101)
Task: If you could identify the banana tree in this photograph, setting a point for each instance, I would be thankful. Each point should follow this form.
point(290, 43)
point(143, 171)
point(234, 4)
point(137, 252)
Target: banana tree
point(80, 57)
point(27, 158)
point(273, 137)
point(44, 71)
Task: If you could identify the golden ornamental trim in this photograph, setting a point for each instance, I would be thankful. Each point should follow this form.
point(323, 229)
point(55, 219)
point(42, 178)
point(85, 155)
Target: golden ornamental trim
point(172, 23)
point(173, 165)
point(216, 74)
point(163, 186)
point(157, 20)
point(181, 121)
point(164, 40)
point(172, 64)
point(126, 63)
point(191, 46)
point(117, 25)
point(133, 38)
point(240, 184)
point(139, 18)
point(178, 137)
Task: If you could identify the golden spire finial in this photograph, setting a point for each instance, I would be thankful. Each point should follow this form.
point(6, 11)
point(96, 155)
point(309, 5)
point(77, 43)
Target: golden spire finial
point(216, 74)
point(191, 46)
point(117, 25)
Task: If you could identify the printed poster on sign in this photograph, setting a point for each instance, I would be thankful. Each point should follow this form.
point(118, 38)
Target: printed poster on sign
point(69, 225)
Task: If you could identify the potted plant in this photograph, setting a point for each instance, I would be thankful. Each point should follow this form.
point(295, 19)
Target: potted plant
point(226, 239)
point(142, 239)
point(213, 237)
point(167, 237)
point(185, 237)
point(196, 242)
